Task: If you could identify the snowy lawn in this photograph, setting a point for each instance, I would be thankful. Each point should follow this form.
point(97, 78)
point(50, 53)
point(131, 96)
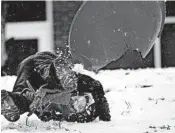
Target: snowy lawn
point(141, 101)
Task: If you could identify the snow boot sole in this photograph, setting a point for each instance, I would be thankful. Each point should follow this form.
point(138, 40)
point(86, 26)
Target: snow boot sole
point(8, 108)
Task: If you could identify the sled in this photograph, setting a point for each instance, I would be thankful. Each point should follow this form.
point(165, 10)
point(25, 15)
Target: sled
point(102, 31)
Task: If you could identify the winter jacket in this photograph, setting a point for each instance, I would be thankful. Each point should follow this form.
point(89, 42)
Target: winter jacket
point(56, 71)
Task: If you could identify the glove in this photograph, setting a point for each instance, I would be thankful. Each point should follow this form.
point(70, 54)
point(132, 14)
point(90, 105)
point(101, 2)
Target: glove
point(44, 97)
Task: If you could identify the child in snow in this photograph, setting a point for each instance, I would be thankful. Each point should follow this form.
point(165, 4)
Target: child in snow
point(46, 72)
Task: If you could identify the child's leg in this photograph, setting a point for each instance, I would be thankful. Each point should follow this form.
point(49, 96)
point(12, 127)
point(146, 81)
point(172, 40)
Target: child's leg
point(14, 103)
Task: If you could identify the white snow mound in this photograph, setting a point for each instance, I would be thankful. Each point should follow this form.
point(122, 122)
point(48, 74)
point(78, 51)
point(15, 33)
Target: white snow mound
point(141, 101)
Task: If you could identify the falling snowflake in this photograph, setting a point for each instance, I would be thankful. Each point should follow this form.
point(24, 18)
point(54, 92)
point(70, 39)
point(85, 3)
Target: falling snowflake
point(125, 33)
point(89, 41)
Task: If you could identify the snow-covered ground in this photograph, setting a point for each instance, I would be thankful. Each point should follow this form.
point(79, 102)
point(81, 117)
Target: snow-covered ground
point(141, 101)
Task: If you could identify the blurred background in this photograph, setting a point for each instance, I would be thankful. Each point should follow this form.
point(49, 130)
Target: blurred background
point(32, 26)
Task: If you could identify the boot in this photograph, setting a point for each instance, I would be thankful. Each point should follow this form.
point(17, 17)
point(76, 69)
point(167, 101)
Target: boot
point(14, 104)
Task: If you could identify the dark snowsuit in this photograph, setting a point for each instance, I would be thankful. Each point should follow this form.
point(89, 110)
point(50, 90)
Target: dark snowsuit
point(41, 68)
